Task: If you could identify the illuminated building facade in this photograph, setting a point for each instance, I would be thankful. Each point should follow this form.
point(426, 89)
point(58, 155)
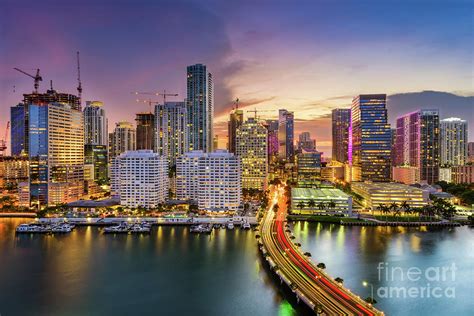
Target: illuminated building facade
point(13, 170)
point(251, 149)
point(286, 149)
point(145, 133)
point(374, 194)
point(305, 142)
point(462, 174)
point(213, 180)
point(272, 139)
point(417, 143)
point(122, 139)
point(200, 108)
point(369, 145)
point(236, 118)
point(18, 129)
point(95, 124)
point(140, 178)
point(470, 152)
point(319, 201)
point(96, 155)
point(308, 168)
point(171, 122)
point(406, 174)
point(453, 137)
point(56, 153)
point(341, 119)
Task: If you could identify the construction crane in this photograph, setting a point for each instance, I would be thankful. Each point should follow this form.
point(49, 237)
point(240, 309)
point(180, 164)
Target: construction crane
point(79, 85)
point(37, 78)
point(3, 142)
point(150, 103)
point(256, 111)
point(163, 94)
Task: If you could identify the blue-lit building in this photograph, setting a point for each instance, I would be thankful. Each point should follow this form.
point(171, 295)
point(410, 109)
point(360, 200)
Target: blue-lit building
point(286, 147)
point(369, 139)
point(97, 155)
point(18, 131)
point(200, 108)
point(309, 168)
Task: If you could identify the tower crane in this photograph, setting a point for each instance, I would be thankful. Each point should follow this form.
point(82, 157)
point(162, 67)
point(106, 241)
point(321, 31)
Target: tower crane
point(3, 142)
point(149, 101)
point(36, 78)
point(79, 85)
point(163, 94)
point(257, 111)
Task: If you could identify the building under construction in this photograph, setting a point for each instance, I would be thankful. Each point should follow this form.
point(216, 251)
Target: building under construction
point(145, 130)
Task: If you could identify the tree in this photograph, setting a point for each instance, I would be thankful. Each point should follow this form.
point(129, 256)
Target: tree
point(321, 265)
point(300, 205)
point(321, 205)
point(339, 280)
point(331, 205)
point(311, 203)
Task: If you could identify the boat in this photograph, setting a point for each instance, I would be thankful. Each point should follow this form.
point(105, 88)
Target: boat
point(121, 228)
point(246, 225)
point(201, 228)
point(230, 225)
point(140, 228)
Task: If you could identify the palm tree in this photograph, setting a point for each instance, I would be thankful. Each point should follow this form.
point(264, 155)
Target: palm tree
point(321, 265)
point(339, 280)
point(311, 203)
point(331, 205)
point(321, 205)
point(300, 205)
point(385, 210)
point(405, 207)
point(394, 208)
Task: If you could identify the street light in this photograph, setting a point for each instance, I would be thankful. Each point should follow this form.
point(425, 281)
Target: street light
point(365, 284)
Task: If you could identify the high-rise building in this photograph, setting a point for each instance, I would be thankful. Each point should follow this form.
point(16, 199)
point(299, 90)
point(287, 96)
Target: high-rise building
point(453, 137)
point(213, 180)
point(140, 178)
point(341, 119)
point(122, 139)
point(305, 142)
point(272, 140)
point(286, 149)
point(200, 108)
point(462, 174)
point(470, 152)
point(95, 124)
point(170, 137)
point(236, 118)
point(417, 143)
point(251, 148)
point(18, 129)
point(369, 139)
point(309, 168)
point(56, 151)
point(97, 156)
point(145, 131)
point(13, 170)
point(20, 116)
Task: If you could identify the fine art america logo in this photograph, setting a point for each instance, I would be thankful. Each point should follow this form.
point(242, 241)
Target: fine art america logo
point(413, 282)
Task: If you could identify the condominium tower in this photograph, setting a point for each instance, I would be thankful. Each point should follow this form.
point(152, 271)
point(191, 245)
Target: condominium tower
point(200, 108)
point(286, 148)
point(341, 119)
point(95, 124)
point(122, 139)
point(140, 178)
point(145, 134)
point(170, 137)
point(369, 139)
point(251, 148)
point(236, 119)
point(453, 137)
point(417, 144)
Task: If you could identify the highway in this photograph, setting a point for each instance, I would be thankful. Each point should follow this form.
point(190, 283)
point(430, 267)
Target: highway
point(311, 285)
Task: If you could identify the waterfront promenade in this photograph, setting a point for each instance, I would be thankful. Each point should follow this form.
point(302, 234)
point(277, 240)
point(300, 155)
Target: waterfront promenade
point(309, 283)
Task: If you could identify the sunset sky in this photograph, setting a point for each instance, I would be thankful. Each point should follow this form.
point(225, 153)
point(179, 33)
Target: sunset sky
point(305, 56)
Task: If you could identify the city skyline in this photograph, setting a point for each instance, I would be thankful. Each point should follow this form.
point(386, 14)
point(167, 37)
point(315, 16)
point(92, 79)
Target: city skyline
point(268, 58)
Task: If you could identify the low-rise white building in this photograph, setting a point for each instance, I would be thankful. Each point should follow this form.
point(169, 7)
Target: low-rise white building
point(376, 193)
point(140, 178)
point(320, 201)
point(211, 179)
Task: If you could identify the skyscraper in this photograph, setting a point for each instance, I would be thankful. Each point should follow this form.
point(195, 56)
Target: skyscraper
point(200, 108)
point(95, 124)
point(417, 143)
point(470, 152)
point(305, 142)
point(122, 139)
point(272, 139)
point(341, 119)
point(370, 139)
point(140, 178)
point(251, 148)
point(97, 156)
point(453, 141)
point(170, 137)
point(18, 129)
point(236, 119)
point(145, 131)
point(286, 149)
point(56, 152)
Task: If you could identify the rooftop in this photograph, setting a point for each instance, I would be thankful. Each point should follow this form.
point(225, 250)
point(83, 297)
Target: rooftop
point(311, 193)
point(384, 186)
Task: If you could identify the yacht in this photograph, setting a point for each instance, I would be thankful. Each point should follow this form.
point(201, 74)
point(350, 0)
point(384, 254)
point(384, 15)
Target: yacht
point(230, 225)
point(246, 225)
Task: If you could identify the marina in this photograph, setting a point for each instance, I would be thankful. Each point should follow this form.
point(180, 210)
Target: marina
point(44, 228)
